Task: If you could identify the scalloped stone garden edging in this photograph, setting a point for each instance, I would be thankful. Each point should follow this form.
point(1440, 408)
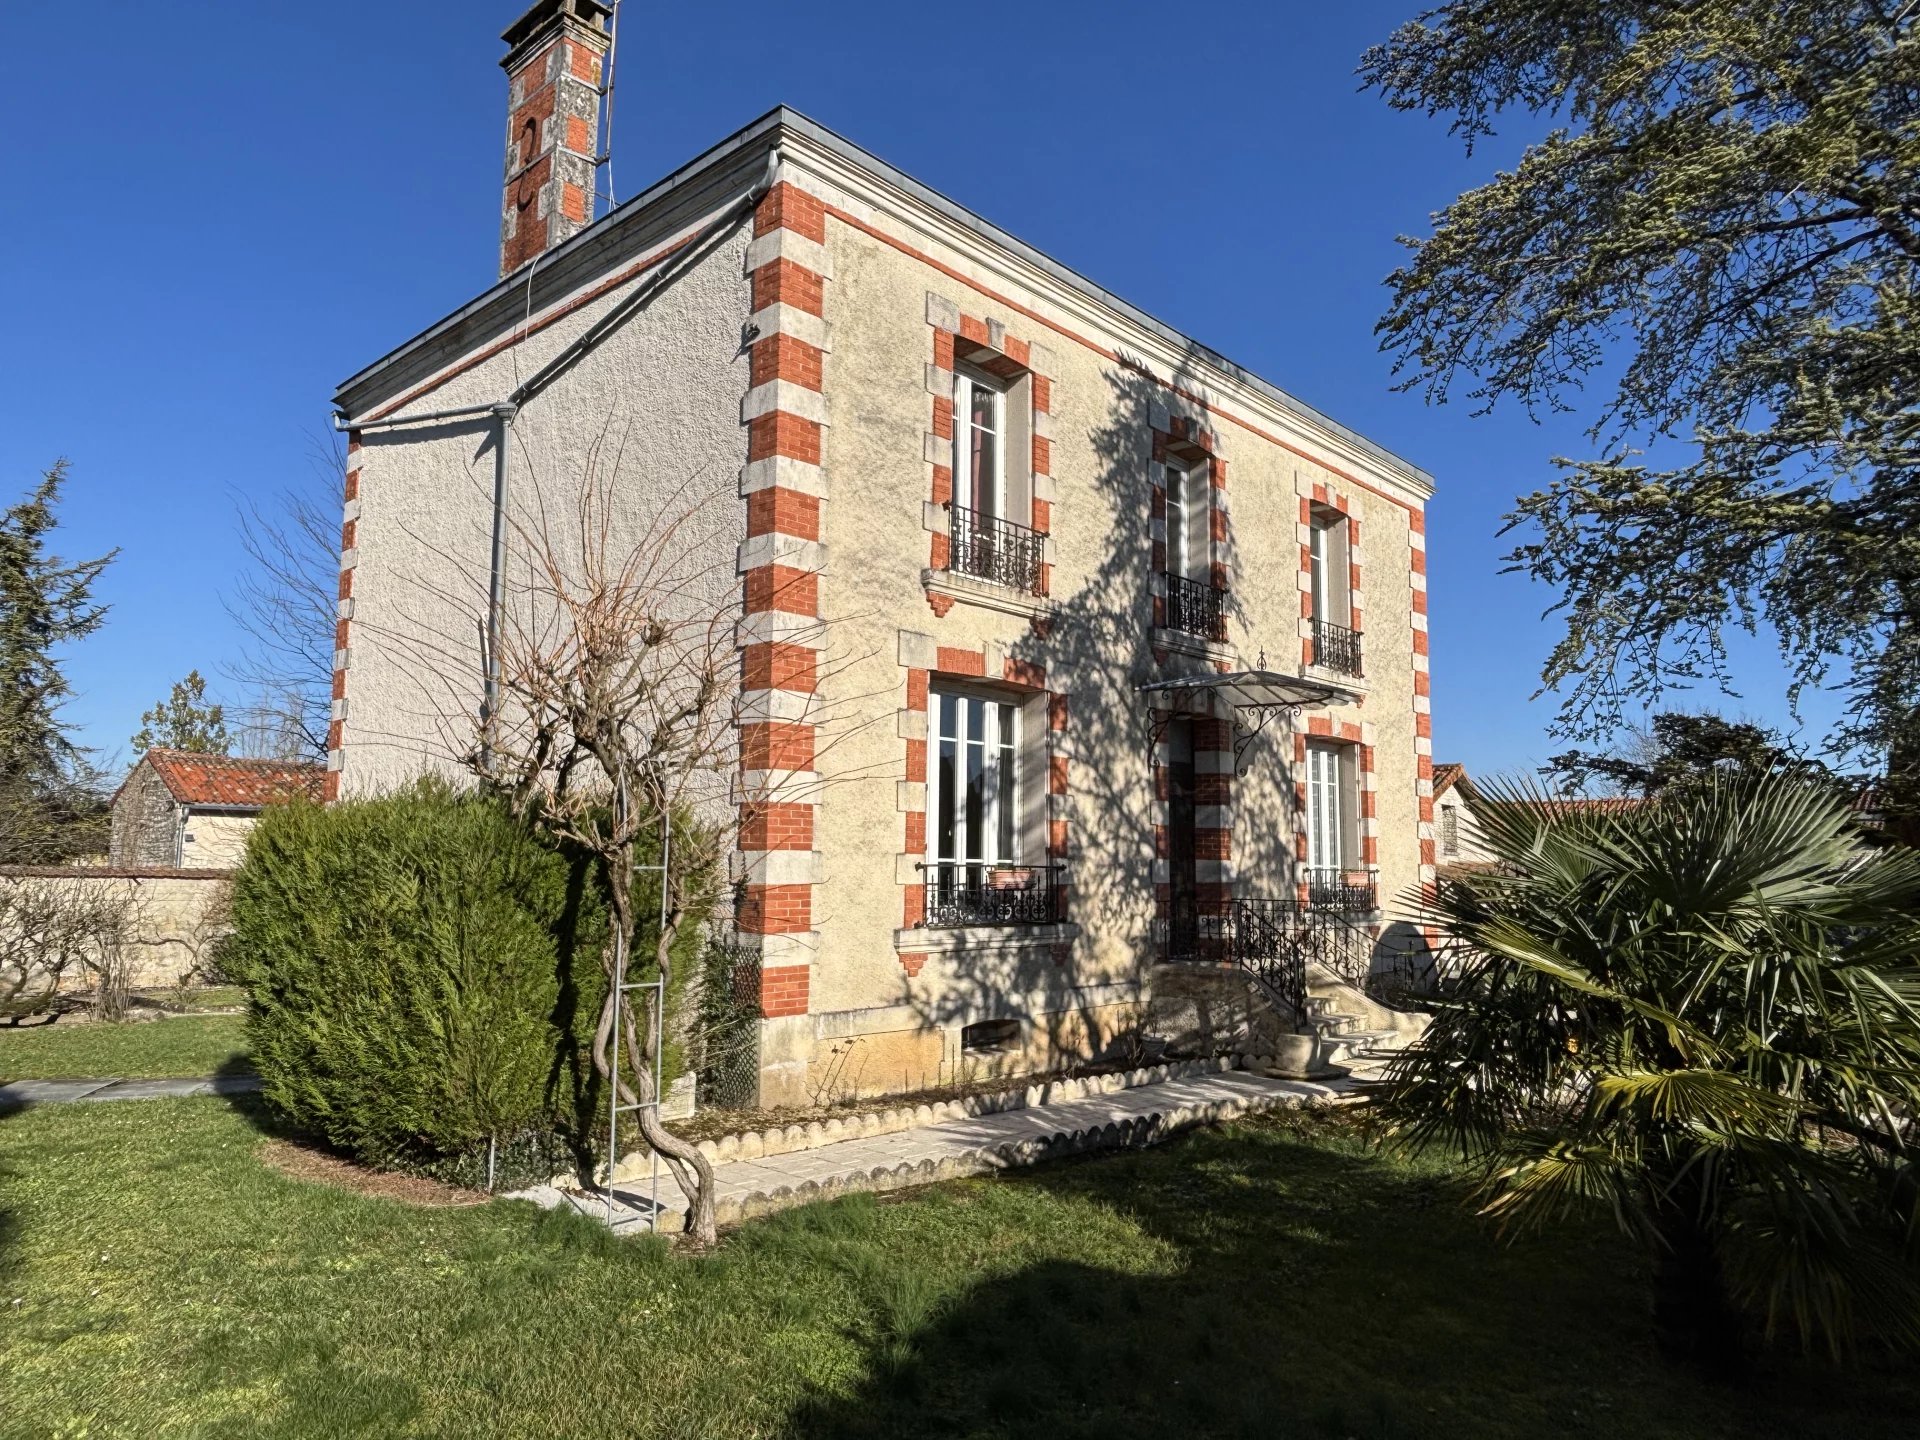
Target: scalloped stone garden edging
point(1128, 1133)
point(787, 1139)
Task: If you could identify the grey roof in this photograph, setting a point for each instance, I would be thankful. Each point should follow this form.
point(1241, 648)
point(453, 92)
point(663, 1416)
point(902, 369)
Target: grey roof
point(762, 134)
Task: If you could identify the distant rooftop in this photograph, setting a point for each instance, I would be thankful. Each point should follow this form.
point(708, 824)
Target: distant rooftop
point(222, 780)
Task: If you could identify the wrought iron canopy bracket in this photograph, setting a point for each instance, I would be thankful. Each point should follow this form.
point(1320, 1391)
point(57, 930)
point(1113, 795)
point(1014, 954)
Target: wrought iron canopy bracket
point(1250, 720)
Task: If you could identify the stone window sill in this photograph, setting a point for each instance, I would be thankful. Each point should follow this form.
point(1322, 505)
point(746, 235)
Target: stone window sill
point(985, 594)
point(978, 939)
point(1180, 642)
point(1357, 683)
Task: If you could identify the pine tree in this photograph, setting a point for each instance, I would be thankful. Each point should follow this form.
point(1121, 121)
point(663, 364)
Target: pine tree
point(184, 721)
point(45, 602)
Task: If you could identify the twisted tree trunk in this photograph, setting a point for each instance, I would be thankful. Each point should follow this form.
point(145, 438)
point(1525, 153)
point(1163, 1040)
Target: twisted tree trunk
point(617, 1029)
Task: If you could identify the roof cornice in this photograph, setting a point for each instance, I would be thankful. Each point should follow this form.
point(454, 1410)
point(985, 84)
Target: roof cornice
point(1173, 358)
point(1169, 356)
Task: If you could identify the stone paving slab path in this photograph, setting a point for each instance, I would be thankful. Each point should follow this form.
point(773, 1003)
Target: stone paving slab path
point(972, 1146)
point(19, 1094)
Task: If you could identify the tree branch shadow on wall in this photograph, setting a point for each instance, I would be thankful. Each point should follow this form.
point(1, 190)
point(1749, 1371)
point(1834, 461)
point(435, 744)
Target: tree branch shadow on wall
point(1099, 648)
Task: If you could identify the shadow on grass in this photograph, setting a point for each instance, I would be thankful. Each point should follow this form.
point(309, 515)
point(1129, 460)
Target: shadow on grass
point(1321, 1289)
point(237, 1066)
point(1279, 1243)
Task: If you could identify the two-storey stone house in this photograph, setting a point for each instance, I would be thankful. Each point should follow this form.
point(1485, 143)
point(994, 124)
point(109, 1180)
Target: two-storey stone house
point(1142, 637)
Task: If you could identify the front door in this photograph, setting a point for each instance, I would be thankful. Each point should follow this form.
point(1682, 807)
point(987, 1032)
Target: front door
point(1183, 870)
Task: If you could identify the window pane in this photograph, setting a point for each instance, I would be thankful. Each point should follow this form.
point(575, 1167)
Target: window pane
point(976, 811)
point(1323, 807)
point(944, 778)
point(962, 442)
point(1007, 800)
point(1319, 572)
point(984, 454)
point(1176, 520)
point(985, 408)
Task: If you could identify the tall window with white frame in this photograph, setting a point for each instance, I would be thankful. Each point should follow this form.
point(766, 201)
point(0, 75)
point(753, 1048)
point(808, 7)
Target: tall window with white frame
point(974, 798)
point(1193, 605)
point(979, 434)
point(1334, 881)
point(1336, 645)
point(985, 540)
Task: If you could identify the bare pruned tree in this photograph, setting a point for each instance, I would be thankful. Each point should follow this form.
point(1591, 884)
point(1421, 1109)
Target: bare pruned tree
point(53, 925)
point(614, 713)
point(285, 602)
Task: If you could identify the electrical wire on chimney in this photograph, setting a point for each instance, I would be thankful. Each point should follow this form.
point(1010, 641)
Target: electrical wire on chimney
point(604, 160)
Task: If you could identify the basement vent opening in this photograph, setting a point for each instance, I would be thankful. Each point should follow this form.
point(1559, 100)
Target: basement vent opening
point(990, 1036)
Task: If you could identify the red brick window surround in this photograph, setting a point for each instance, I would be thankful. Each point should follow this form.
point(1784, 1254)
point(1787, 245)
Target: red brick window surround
point(1332, 572)
point(991, 544)
point(1187, 512)
point(929, 667)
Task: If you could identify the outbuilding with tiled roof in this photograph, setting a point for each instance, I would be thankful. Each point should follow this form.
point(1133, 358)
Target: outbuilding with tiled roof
point(181, 810)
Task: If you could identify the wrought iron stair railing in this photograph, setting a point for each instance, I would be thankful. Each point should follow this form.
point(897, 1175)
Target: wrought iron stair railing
point(1275, 942)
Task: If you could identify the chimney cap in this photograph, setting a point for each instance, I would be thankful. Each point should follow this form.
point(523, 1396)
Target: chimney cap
point(592, 14)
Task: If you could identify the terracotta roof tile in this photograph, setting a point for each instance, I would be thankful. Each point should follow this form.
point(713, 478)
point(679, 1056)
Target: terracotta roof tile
point(1593, 804)
point(1445, 777)
point(220, 780)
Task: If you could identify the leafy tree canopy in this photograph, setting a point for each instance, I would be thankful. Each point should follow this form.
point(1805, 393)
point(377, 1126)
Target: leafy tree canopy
point(1679, 749)
point(1726, 226)
point(185, 721)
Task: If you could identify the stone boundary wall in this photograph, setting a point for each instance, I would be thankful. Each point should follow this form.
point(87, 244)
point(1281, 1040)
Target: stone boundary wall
point(176, 914)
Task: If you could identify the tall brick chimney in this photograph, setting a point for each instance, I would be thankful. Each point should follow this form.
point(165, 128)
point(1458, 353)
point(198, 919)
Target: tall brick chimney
point(556, 53)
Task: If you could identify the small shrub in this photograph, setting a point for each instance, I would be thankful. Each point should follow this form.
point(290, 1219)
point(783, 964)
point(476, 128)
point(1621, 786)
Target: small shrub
point(423, 973)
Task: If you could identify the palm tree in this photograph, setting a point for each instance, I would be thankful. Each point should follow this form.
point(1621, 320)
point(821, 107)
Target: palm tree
point(1703, 1017)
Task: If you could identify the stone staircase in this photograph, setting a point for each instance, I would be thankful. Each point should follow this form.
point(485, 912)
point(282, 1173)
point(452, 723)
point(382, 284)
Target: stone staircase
point(1348, 1038)
point(1213, 1009)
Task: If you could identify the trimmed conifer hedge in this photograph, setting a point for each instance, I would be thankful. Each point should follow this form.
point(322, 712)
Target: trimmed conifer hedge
point(423, 975)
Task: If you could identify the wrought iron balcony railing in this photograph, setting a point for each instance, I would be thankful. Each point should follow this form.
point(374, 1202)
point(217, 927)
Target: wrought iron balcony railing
point(1343, 891)
point(962, 892)
point(1196, 608)
point(1336, 648)
point(996, 550)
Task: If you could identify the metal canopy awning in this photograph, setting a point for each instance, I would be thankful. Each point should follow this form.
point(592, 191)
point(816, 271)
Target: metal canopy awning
point(1251, 690)
point(1250, 698)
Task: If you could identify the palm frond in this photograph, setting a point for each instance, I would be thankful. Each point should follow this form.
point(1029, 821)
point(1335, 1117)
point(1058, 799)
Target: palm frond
point(1717, 1098)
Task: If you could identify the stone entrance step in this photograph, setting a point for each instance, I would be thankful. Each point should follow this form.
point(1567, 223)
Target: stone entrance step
point(974, 1146)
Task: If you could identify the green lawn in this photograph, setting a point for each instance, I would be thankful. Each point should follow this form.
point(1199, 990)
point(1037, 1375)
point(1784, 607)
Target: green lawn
point(1274, 1279)
point(137, 1050)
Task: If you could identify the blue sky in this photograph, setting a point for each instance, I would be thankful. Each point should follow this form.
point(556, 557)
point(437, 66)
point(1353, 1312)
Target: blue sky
point(218, 212)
